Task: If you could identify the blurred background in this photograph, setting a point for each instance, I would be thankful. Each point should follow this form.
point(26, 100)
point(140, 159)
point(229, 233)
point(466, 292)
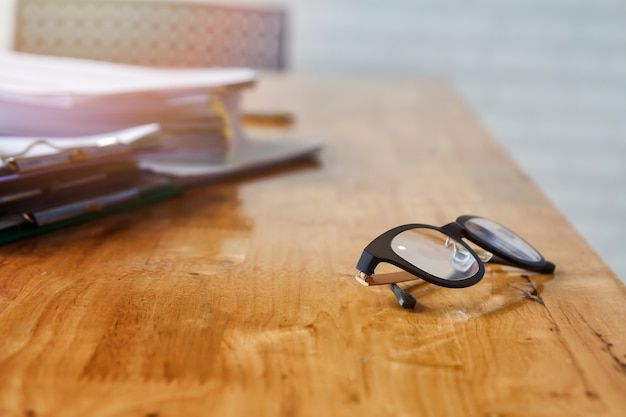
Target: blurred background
point(547, 78)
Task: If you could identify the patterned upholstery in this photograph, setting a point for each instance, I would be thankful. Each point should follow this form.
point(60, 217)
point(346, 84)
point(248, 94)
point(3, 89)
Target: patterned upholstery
point(164, 34)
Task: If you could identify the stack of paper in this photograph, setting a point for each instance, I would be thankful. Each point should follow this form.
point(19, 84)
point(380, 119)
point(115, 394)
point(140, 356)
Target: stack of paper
point(198, 111)
point(81, 138)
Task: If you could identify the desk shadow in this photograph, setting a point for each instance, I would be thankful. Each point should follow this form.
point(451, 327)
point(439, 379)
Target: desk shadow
point(501, 288)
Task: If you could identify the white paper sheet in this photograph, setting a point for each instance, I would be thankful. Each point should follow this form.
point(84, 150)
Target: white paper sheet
point(60, 81)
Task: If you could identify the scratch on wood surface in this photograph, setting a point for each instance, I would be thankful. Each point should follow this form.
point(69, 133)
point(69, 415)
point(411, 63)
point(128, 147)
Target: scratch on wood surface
point(494, 415)
point(530, 290)
point(607, 346)
point(589, 392)
point(439, 350)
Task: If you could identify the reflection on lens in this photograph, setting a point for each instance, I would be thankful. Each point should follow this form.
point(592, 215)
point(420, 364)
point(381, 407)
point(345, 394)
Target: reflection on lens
point(502, 239)
point(436, 253)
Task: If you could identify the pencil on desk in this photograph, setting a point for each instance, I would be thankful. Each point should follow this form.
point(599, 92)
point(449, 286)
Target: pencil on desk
point(268, 119)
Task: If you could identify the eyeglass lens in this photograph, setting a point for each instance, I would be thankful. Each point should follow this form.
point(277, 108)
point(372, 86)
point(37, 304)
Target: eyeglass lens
point(502, 239)
point(436, 253)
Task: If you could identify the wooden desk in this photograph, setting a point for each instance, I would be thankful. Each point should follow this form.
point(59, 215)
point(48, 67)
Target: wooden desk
point(238, 298)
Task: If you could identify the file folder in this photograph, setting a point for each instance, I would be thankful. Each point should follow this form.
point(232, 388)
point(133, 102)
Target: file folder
point(48, 183)
point(15, 227)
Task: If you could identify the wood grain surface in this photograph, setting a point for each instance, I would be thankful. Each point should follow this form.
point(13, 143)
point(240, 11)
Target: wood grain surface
point(238, 297)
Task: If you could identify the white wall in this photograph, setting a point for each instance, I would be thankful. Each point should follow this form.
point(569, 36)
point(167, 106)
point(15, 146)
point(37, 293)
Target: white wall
point(6, 23)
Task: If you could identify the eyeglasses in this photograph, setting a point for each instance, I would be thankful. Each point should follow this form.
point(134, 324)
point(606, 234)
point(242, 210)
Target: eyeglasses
point(439, 255)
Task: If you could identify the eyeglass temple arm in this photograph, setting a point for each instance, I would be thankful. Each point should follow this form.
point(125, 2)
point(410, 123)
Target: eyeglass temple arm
point(547, 268)
point(405, 299)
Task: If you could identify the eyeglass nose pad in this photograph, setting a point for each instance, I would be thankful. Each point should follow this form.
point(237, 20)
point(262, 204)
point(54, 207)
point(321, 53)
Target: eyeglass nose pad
point(461, 258)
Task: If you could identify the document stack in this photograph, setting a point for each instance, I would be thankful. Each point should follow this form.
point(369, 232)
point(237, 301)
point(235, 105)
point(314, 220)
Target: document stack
point(80, 137)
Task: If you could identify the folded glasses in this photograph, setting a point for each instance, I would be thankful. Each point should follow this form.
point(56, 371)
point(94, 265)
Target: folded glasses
point(439, 255)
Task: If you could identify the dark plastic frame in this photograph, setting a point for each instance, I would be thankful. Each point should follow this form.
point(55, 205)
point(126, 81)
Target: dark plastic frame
point(379, 250)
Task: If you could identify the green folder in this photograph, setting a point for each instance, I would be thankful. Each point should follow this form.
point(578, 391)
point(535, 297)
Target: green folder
point(146, 197)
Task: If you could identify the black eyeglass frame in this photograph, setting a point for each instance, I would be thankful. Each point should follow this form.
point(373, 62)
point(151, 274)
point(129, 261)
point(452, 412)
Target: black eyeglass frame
point(380, 250)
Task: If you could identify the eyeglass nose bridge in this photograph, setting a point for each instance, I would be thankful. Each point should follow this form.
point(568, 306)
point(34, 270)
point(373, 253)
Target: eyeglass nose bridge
point(483, 254)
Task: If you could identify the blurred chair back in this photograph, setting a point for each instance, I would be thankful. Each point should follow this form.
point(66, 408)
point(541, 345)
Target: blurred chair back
point(154, 33)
